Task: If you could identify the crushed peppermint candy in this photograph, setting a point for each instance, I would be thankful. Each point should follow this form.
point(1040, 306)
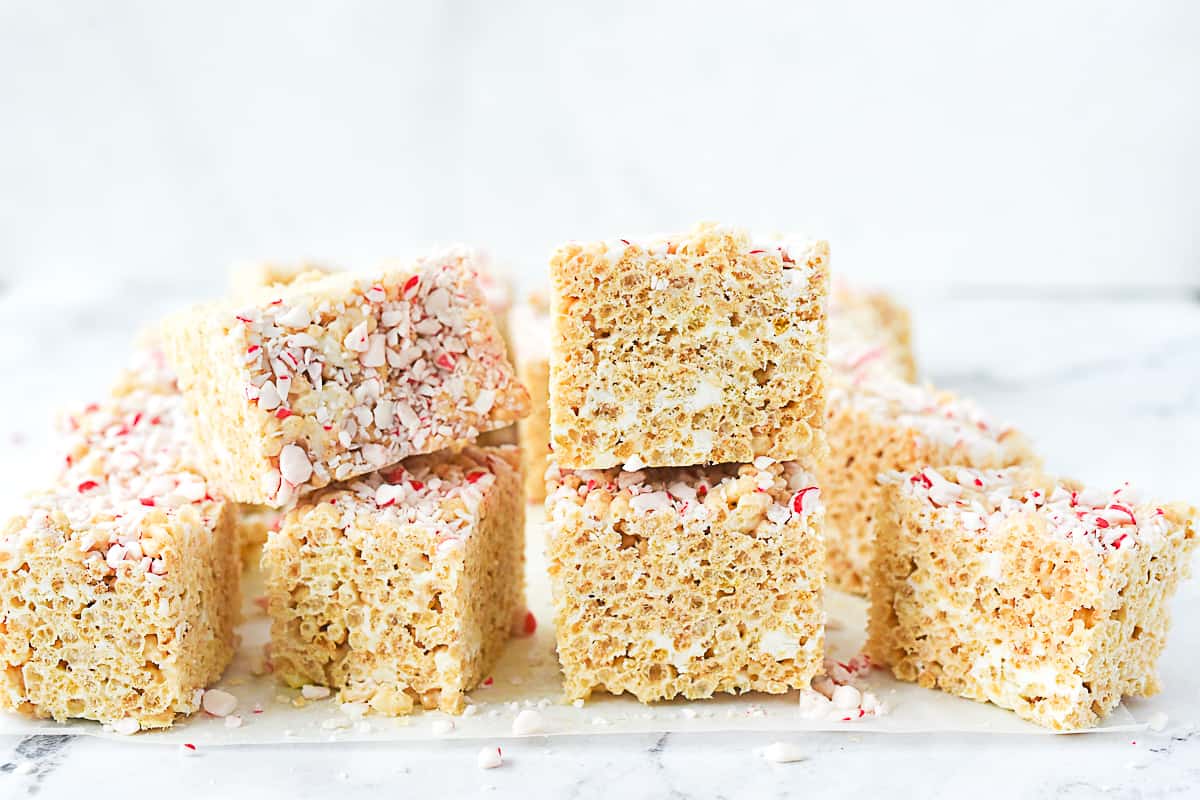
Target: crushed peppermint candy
point(310, 692)
point(444, 491)
point(359, 373)
point(863, 345)
point(126, 727)
point(784, 753)
point(691, 493)
point(524, 623)
point(980, 501)
point(128, 468)
point(528, 723)
point(218, 703)
point(838, 695)
point(938, 417)
point(489, 758)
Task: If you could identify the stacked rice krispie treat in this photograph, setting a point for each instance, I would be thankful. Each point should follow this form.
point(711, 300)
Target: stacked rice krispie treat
point(400, 587)
point(328, 379)
point(531, 340)
point(248, 279)
point(397, 586)
point(686, 581)
point(120, 581)
point(705, 348)
point(671, 578)
point(884, 425)
point(1029, 592)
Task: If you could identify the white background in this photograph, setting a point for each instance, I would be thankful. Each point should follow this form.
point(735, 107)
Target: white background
point(933, 142)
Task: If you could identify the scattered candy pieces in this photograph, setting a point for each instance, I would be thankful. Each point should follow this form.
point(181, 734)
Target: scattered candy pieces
point(489, 758)
point(219, 703)
point(311, 692)
point(783, 753)
point(126, 727)
point(527, 723)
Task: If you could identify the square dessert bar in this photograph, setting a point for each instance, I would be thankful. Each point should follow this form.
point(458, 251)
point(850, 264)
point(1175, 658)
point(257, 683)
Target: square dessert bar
point(400, 588)
point(707, 347)
point(120, 584)
point(531, 326)
point(248, 279)
point(870, 335)
point(884, 425)
point(686, 581)
point(1028, 592)
point(498, 294)
point(328, 379)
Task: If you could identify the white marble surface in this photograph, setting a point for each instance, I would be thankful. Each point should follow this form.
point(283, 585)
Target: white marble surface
point(1109, 388)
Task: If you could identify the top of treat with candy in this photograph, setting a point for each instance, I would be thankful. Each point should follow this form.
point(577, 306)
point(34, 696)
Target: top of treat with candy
point(441, 491)
point(941, 417)
point(798, 254)
point(353, 372)
point(865, 327)
point(984, 501)
point(128, 464)
point(689, 492)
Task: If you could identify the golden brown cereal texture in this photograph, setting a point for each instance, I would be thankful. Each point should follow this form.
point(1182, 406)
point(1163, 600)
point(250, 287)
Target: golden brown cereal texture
point(531, 337)
point(663, 590)
point(497, 291)
point(881, 426)
point(382, 609)
point(119, 583)
point(1051, 627)
point(254, 522)
point(80, 642)
point(535, 429)
point(708, 348)
point(870, 334)
point(250, 278)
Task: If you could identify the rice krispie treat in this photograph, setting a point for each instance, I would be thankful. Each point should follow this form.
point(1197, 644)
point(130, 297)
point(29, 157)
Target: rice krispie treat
point(329, 379)
point(1025, 591)
point(254, 523)
point(247, 279)
point(870, 335)
point(531, 329)
point(686, 581)
point(400, 588)
point(707, 347)
point(497, 293)
point(884, 425)
point(120, 584)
